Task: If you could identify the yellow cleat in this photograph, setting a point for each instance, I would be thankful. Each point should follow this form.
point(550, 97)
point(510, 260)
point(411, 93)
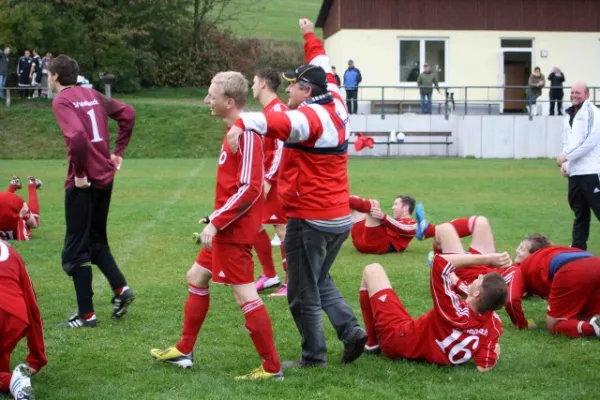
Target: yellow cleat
point(196, 237)
point(259, 374)
point(173, 356)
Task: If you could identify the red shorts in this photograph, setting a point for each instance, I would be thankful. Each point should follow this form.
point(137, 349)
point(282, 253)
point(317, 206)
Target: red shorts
point(393, 324)
point(274, 214)
point(370, 240)
point(575, 290)
point(229, 263)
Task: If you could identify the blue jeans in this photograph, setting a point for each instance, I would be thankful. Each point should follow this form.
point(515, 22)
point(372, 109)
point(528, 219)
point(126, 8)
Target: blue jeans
point(426, 103)
point(2, 83)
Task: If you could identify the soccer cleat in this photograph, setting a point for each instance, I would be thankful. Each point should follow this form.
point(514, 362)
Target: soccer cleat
point(422, 223)
point(196, 237)
point(595, 323)
point(173, 356)
point(260, 374)
point(372, 350)
point(275, 241)
point(77, 322)
point(265, 283)
point(16, 182)
point(20, 383)
point(430, 258)
point(33, 180)
point(354, 345)
point(121, 303)
point(281, 292)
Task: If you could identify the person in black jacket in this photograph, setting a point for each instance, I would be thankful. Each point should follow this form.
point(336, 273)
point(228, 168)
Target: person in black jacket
point(3, 69)
point(23, 71)
point(556, 79)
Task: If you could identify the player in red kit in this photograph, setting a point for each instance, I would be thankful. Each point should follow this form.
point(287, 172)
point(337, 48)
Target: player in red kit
point(568, 277)
point(264, 89)
point(226, 255)
point(19, 318)
point(455, 330)
point(82, 115)
point(18, 218)
point(374, 232)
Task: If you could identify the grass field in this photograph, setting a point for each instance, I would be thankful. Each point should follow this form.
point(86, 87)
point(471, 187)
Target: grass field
point(156, 204)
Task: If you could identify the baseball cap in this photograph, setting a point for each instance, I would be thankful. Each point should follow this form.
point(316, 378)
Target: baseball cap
point(309, 74)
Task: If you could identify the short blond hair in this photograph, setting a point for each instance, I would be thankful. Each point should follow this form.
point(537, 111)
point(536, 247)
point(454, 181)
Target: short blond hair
point(234, 86)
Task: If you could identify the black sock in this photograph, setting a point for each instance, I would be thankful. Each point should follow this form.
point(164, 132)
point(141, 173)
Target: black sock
point(83, 289)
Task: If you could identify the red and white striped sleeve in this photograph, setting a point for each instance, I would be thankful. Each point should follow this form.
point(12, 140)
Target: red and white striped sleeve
point(400, 226)
point(446, 301)
point(249, 182)
point(513, 277)
point(273, 159)
point(314, 53)
point(486, 356)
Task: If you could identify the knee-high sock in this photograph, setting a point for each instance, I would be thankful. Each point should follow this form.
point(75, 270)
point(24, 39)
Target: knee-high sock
point(365, 306)
point(258, 324)
point(463, 226)
point(194, 313)
point(573, 328)
point(32, 202)
point(358, 204)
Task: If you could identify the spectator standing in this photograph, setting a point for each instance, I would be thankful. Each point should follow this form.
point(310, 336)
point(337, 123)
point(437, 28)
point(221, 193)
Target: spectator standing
point(45, 63)
point(556, 79)
point(36, 74)
point(23, 70)
point(427, 79)
point(352, 79)
point(3, 70)
point(580, 161)
point(336, 76)
point(536, 82)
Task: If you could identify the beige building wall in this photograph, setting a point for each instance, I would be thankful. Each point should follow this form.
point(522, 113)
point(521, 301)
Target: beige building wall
point(473, 58)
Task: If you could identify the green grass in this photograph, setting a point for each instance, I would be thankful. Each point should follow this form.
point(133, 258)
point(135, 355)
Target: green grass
point(156, 205)
point(273, 19)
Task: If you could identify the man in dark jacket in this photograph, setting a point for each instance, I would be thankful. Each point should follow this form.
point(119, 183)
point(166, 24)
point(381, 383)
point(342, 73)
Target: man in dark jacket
point(336, 76)
point(556, 79)
point(3, 70)
point(23, 71)
point(426, 81)
point(352, 79)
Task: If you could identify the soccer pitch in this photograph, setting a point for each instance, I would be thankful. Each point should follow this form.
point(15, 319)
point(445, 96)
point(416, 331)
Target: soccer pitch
point(156, 206)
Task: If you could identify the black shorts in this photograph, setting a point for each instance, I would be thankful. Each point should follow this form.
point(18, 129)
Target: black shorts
point(86, 213)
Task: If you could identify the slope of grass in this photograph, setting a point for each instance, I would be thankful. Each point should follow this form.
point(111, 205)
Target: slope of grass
point(156, 206)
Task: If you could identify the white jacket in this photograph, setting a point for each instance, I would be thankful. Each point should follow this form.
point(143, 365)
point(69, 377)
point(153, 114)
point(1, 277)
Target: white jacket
point(581, 142)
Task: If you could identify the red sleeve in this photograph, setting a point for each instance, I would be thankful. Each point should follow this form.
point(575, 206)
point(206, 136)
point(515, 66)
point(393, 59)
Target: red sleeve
point(273, 151)
point(446, 301)
point(249, 182)
point(485, 355)
point(461, 287)
point(74, 133)
point(514, 308)
point(399, 227)
point(124, 114)
point(314, 53)
point(35, 334)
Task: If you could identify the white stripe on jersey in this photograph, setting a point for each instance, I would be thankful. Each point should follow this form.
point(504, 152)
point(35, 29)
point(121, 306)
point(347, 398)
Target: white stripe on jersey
point(255, 121)
point(329, 137)
point(460, 311)
point(400, 225)
point(300, 127)
point(276, 160)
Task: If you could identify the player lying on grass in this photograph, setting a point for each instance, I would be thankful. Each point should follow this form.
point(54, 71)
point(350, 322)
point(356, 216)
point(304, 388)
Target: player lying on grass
point(17, 218)
point(226, 254)
point(374, 232)
point(455, 330)
point(19, 318)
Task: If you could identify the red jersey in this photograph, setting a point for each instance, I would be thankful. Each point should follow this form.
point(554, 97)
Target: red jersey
point(452, 333)
point(273, 147)
point(400, 231)
point(82, 115)
point(12, 226)
point(239, 201)
point(18, 299)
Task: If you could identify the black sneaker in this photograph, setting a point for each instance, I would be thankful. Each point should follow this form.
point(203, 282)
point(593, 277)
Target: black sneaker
point(77, 322)
point(354, 345)
point(121, 303)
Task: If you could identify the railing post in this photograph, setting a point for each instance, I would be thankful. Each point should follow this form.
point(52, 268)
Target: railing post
point(466, 112)
point(8, 98)
point(382, 103)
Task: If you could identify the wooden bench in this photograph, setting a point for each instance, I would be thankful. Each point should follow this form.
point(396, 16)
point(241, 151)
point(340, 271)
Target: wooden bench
point(444, 139)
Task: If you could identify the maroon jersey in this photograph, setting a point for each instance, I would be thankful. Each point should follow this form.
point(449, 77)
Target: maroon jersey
point(239, 201)
point(82, 115)
point(273, 146)
point(452, 333)
point(12, 226)
point(18, 299)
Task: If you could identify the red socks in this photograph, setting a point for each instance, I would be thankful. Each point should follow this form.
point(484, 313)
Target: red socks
point(32, 202)
point(365, 306)
point(262, 246)
point(196, 308)
point(358, 204)
point(429, 232)
point(259, 326)
point(574, 328)
point(462, 226)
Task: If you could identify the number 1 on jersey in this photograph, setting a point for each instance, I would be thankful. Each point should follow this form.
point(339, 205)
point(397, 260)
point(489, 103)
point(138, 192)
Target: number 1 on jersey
point(95, 131)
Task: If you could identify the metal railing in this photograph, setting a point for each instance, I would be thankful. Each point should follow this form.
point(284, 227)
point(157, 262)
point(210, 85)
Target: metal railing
point(465, 100)
point(9, 93)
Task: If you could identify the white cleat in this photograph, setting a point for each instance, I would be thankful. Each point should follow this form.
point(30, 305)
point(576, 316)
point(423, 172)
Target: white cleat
point(20, 383)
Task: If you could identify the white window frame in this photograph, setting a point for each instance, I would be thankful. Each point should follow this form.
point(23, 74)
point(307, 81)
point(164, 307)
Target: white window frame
point(422, 60)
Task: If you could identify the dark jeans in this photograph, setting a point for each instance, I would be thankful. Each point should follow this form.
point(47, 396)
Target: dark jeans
point(584, 194)
point(556, 97)
point(310, 255)
point(352, 100)
point(86, 242)
point(426, 106)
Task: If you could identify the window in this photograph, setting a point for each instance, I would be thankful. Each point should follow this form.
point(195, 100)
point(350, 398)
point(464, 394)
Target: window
point(525, 43)
point(414, 53)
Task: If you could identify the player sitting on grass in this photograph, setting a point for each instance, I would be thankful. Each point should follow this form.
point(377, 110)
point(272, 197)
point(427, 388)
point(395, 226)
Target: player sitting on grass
point(374, 232)
point(455, 330)
point(17, 218)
